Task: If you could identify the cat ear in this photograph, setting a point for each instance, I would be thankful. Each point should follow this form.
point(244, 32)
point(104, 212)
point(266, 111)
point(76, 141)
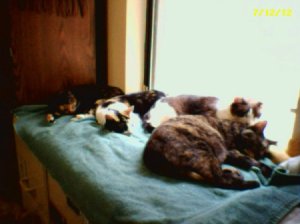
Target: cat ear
point(112, 116)
point(271, 142)
point(238, 99)
point(257, 108)
point(99, 102)
point(259, 104)
point(260, 126)
point(254, 102)
point(128, 111)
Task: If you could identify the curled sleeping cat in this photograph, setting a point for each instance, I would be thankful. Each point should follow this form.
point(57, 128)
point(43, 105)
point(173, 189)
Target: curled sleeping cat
point(78, 100)
point(116, 114)
point(195, 147)
point(242, 110)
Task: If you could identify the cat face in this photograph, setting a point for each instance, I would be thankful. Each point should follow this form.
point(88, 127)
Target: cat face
point(114, 116)
point(241, 110)
point(70, 105)
point(253, 142)
point(117, 122)
point(245, 108)
point(65, 104)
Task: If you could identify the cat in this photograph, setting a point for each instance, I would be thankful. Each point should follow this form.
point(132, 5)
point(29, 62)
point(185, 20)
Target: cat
point(240, 109)
point(172, 106)
point(78, 100)
point(114, 114)
point(195, 147)
point(142, 100)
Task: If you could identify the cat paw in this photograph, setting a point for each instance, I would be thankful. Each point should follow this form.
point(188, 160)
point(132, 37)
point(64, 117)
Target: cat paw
point(250, 184)
point(79, 117)
point(50, 118)
point(233, 172)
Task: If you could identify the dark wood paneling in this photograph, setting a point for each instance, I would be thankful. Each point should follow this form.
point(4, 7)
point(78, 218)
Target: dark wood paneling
point(51, 52)
point(8, 164)
point(101, 41)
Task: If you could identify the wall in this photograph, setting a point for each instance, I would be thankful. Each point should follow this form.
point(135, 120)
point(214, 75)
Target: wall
point(8, 166)
point(126, 36)
point(51, 52)
point(116, 10)
point(40, 53)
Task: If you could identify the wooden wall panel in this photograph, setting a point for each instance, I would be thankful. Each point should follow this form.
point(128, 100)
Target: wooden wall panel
point(8, 165)
point(51, 52)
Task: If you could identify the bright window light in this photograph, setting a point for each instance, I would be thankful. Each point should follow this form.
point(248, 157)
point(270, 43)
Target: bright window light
point(232, 48)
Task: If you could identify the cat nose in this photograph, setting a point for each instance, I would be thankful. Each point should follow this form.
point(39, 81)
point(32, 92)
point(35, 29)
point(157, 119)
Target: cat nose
point(50, 118)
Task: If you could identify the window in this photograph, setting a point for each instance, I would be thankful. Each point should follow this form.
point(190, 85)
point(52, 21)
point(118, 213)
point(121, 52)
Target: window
point(232, 48)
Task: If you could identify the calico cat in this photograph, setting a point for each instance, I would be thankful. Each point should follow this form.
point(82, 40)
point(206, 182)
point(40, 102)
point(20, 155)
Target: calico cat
point(195, 147)
point(114, 114)
point(78, 100)
point(240, 109)
point(142, 101)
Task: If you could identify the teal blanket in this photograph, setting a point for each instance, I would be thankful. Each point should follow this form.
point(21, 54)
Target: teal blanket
point(104, 176)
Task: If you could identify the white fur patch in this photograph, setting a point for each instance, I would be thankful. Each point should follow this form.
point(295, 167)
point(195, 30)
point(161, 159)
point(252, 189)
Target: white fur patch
point(79, 117)
point(224, 113)
point(101, 112)
point(161, 112)
point(292, 165)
